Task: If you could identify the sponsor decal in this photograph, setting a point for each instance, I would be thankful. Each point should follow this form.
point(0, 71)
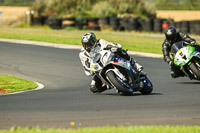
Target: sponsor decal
point(116, 60)
point(169, 32)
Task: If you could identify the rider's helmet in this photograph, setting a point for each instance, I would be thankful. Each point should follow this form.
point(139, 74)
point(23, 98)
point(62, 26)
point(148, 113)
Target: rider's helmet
point(170, 34)
point(88, 41)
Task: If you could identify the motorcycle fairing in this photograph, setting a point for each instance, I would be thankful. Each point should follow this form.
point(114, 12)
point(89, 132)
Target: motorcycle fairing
point(122, 63)
point(184, 55)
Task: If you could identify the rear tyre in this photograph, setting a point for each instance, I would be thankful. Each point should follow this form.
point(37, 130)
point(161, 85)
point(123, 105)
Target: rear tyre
point(147, 86)
point(120, 85)
point(195, 70)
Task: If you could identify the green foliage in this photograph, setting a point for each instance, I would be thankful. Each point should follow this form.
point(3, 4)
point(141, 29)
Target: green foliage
point(145, 10)
point(102, 9)
point(178, 4)
point(92, 8)
point(120, 7)
point(60, 7)
point(39, 7)
point(16, 2)
point(124, 6)
point(83, 8)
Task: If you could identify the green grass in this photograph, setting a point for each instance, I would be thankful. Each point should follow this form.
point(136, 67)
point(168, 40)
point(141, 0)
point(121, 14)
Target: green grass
point(9, 84)
point(130, 40)
point(131, 129)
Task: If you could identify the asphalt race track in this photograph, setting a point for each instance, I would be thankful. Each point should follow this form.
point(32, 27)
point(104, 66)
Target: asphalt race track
point(66, 97)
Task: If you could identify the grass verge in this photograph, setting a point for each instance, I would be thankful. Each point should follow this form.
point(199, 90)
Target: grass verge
point(131, 129)
point(9, 84)
point(130, 40)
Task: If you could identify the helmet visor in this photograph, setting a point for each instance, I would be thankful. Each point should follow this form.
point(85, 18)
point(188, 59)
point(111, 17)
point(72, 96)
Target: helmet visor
point(171, 38)
point(87, 46)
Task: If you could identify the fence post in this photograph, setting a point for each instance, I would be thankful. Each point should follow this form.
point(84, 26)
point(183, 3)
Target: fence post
point(29, 15)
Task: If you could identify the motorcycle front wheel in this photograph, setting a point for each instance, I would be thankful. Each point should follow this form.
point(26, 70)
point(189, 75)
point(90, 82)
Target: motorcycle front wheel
point(195, 70)
point(147, 87)
point(119, 84)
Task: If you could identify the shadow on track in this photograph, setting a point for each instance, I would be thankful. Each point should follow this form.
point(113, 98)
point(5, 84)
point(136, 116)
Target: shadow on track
point(134, 94)
point(196, 82)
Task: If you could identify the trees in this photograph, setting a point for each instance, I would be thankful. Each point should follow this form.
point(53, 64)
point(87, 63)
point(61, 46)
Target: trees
point(92, 8)
point(178, 4)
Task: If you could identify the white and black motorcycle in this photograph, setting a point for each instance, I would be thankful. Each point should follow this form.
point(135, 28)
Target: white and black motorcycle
point(118, 73)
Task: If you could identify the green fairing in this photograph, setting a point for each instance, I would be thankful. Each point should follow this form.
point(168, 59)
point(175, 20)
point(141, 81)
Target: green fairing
point(182, 63)
point(190, 48)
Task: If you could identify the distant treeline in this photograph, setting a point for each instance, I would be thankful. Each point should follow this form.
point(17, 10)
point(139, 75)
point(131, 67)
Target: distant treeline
point(159, 4)
point(177, 4)
point(16, 2)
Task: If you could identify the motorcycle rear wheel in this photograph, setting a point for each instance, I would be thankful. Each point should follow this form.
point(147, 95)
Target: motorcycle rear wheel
point(121, 86)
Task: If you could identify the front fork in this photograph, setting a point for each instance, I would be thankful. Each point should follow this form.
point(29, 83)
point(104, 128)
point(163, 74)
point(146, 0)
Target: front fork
point(187, 70)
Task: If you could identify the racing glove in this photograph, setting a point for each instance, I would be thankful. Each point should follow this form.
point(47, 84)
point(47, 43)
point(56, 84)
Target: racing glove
point(170, 63)
point(116, 48)
point(119, 46)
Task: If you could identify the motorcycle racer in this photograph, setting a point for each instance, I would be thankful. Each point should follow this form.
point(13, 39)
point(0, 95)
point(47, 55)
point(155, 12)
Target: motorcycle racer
point(172, 36)
point(90, 42)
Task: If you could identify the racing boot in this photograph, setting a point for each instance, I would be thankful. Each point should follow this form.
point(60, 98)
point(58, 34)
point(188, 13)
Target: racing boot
point(177, 74)
point(96, 85)
point(136, 65)
point(173, 75)
point(95, 89)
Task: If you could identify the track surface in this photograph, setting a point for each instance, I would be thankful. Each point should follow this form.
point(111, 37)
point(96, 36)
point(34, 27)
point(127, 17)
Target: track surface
point(66, 97)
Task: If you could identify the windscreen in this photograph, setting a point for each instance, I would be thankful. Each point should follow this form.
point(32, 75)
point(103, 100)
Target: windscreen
point(177, 46)
point(95, 51)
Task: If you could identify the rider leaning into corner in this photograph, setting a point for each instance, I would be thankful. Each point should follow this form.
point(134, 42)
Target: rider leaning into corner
point(172, 36)
point(90, 42)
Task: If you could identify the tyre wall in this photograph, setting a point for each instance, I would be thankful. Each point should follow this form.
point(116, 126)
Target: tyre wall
point(120, 24)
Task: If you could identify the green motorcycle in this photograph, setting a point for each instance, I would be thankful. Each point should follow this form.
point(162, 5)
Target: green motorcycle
point(187, 58)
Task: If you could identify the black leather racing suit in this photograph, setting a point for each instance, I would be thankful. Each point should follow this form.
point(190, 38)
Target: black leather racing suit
point(166, 48)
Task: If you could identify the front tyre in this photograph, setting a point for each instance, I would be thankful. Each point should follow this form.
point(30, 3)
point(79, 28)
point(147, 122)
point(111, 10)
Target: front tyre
point(119, 84)
point(147, 86)
point(195, 70)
